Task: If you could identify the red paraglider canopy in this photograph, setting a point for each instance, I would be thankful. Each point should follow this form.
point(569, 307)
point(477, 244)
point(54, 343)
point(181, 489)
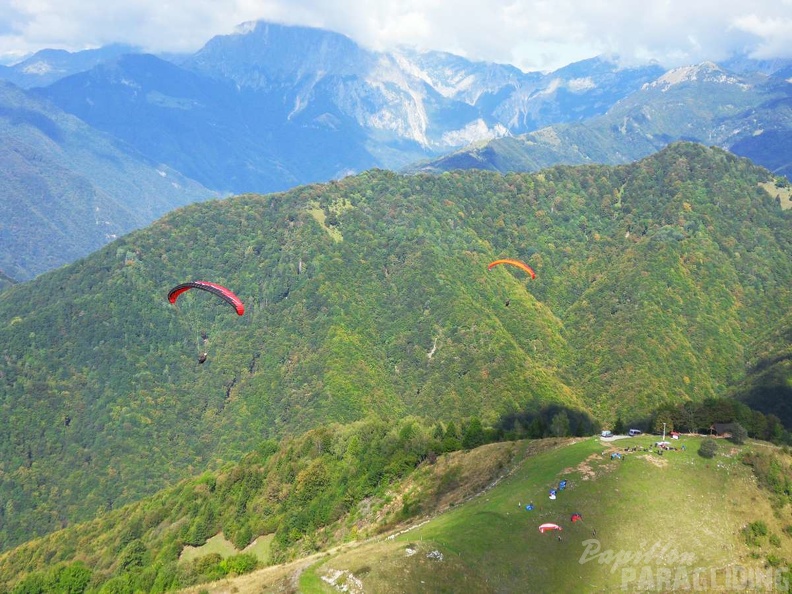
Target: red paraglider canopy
point(213, 288)
point(545, 527)
point(576, 517)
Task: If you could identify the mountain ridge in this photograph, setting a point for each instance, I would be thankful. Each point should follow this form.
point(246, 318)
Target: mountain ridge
point(748, 114)
point(388, 107)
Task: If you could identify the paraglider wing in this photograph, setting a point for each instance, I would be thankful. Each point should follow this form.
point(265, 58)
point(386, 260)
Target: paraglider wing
point(516, 263)
point(213, 288)
point(545, 527)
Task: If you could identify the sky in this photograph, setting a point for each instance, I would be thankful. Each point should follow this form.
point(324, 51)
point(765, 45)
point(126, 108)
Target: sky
point(530, 34)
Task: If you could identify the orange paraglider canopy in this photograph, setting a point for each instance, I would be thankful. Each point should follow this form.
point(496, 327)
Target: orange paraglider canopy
point(513, 262)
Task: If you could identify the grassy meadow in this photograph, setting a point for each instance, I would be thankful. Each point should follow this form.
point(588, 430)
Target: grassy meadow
point(650, 522)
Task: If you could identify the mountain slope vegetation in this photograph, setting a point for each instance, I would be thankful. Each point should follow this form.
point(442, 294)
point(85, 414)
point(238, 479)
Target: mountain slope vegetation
point(372, 295)
point(768, 383)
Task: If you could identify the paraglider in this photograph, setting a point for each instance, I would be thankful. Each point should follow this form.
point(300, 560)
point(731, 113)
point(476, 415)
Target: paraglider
point(513, 262)
point(547, 527)
point(576, 517)
point(225, 294)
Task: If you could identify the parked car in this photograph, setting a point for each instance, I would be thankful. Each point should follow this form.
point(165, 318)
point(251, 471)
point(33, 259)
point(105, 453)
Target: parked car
point(634, 432)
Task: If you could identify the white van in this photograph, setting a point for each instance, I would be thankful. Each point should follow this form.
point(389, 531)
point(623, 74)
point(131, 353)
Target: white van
point(634, 432)
point(607, 434)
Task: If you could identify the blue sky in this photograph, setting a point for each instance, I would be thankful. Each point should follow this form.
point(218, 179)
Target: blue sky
point(531, 34)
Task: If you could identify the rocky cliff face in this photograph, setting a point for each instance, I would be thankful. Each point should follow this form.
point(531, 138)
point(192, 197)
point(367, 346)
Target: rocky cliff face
point(271, 106)
point(438, 100)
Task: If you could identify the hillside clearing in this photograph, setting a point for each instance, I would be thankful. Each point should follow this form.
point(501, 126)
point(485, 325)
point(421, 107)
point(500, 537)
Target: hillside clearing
point(783, 193)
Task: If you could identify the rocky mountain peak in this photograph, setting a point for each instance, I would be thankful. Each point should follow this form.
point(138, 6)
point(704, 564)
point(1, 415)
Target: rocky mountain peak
point(706, 72)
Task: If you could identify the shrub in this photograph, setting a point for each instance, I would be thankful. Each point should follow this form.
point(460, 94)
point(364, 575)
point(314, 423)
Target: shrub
point(739, 434)
point(774, 560)
point(759, 528)
point(240, 564)
point(708, 448)
point(754, 532)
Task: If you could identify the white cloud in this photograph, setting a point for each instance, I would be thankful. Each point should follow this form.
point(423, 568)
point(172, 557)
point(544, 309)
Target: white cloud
point(774, 35)
point(532, 34)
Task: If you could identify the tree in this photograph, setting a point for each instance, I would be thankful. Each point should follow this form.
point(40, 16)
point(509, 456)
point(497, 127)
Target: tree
point(438, 432)
point(739, 434)
point(474, 434)
point(663, 421)
point(536, 428)
point(559, 426)
point(133, 556)
point(580, 430)
point(451, 441)
point(32, 584)
point(73, 578)
point(618, 427)
point(775, 429)
point(708, 448)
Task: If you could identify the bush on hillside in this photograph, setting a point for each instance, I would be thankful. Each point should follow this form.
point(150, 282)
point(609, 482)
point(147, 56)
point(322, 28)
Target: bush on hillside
point(739, 434)
point(708, 448)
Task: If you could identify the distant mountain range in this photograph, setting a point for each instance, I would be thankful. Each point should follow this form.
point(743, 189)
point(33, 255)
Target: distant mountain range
point(272, 107)
point(749, 114)
point(50, 65)
point(66, 189)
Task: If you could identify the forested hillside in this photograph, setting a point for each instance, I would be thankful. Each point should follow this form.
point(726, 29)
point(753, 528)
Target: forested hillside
point(66, 189)
point(768, 384)
point(331, 484)
point(371, 295)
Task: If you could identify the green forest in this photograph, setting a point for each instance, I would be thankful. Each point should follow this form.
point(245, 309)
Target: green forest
point(659, 283)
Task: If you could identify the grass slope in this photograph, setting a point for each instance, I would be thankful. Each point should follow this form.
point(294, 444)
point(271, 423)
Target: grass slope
point(455, 523)
point(683, 514)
